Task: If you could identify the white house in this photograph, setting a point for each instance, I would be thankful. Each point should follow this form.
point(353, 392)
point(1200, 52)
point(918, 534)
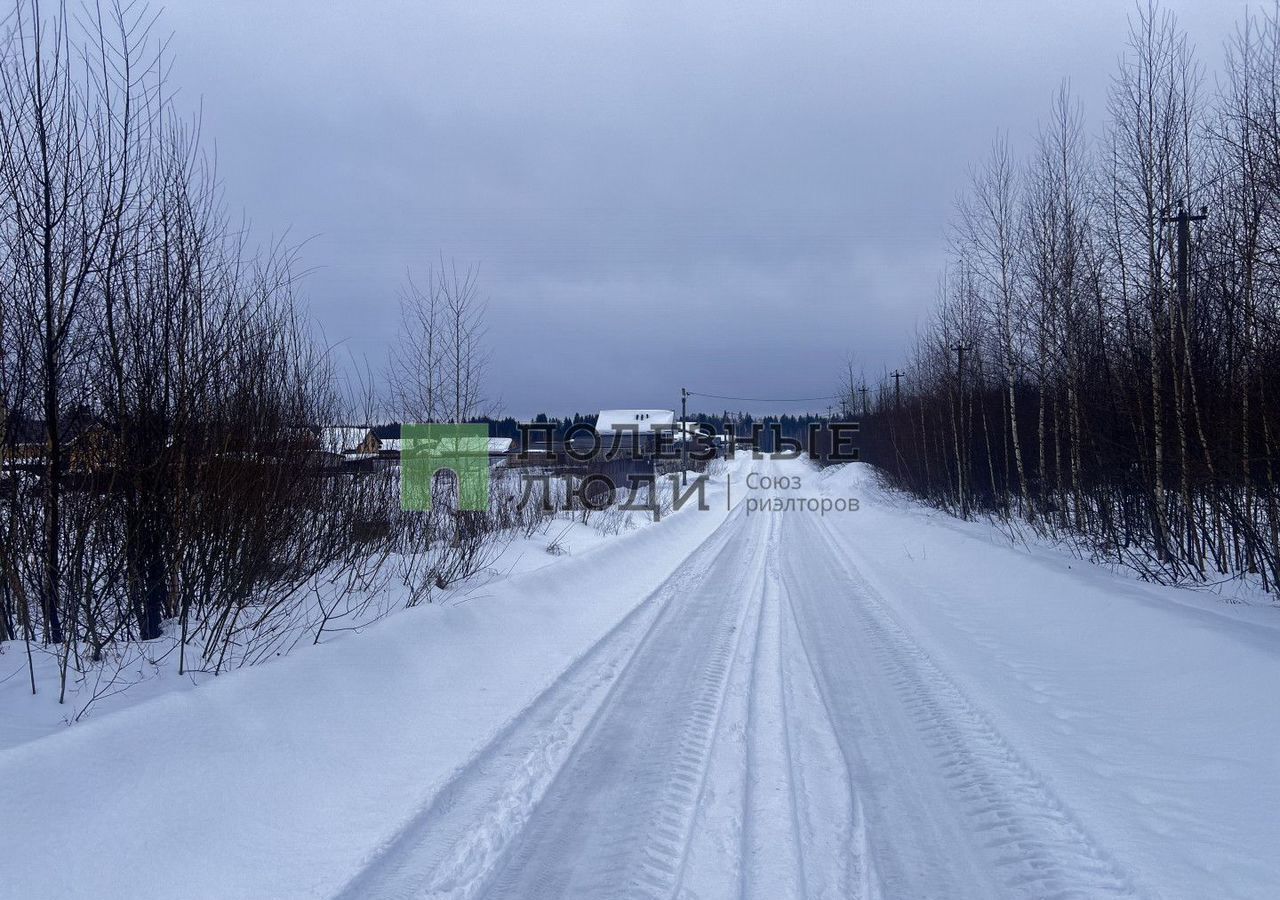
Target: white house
point(638, 421)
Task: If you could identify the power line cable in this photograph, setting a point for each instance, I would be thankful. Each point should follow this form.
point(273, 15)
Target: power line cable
point(764, 399)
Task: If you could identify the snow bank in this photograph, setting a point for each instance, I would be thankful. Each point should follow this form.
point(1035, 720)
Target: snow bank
point(282, 780)
point(1151, 711)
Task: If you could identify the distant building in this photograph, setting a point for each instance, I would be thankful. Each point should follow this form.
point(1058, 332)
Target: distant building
point(84, 440)
point(361, 444)
point(25, 441)
point(342, 439)
point(642, 421)
point(384, 440)
point(633, 432)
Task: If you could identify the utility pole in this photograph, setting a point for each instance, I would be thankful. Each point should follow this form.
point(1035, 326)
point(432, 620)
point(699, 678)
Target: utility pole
point(1183, 220)
point(961, 350)
point(896, 375)
point(961, 455)
point(863, 390)
point(684, 437)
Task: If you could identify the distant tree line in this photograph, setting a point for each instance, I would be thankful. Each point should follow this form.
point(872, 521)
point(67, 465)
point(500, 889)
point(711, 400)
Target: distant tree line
point(509, 426)
point(1102, 361)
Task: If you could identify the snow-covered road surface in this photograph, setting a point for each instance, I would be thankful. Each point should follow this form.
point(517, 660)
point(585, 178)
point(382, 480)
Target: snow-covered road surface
point(873, 704)
point(949, 809)
point(765, 726)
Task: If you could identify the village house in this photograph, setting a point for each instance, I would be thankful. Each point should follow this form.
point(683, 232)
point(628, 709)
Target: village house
point(632, 432)
point(24, 442)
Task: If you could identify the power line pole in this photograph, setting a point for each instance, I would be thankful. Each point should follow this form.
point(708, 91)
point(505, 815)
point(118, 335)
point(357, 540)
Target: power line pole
point(896, 375)
point(962, 433)
point(961, 350)
point(1183, 220)
point(684, 437)
point(863, 390)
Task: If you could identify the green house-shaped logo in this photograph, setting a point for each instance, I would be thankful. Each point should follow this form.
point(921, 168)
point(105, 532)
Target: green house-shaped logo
point(461, 449)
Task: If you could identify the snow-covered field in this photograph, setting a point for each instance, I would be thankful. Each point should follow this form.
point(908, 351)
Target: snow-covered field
point(733, 703)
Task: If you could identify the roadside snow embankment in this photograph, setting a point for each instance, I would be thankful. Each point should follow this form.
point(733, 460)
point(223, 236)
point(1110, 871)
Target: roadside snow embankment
point(282, 780)
point(1150, 710)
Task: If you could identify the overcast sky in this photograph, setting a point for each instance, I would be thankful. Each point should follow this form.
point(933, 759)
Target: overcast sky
point(728, 196)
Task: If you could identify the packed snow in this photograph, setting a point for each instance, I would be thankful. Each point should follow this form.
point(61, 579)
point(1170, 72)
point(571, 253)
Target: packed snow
point(737, 702)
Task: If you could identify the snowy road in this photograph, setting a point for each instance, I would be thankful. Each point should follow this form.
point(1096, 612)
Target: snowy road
point(762, 727)
point(885, 703)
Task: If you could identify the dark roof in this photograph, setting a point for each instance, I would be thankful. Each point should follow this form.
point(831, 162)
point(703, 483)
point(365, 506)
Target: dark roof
point(25, 430)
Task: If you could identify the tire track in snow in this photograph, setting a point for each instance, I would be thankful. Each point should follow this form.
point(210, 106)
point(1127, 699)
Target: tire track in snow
point(837, 858)
point(712, 868)
point(662, 862)
point(771, 852)
point(1024, 829)
point(454, 844)
point(617, 820)
point(776, 817)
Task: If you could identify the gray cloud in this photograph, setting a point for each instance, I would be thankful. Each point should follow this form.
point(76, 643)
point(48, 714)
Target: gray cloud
point(728, 196)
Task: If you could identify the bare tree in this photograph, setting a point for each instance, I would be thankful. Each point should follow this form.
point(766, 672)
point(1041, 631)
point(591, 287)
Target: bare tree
point(440, 358)
point(1140, 346)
